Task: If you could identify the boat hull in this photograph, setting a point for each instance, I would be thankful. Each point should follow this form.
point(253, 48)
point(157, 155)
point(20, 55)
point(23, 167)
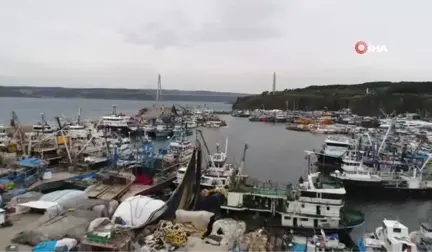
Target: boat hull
point(124, 131)
point(379, 190)
point(264, 219)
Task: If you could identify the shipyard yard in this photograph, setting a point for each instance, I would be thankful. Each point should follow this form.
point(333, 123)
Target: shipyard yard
point(116, 167)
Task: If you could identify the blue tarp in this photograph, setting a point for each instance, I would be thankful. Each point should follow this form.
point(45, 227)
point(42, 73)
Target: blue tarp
point(45, 246)
point(85, 176)
point(299, 247)
point(361, 245)
point(333, 236)
point(30, 162)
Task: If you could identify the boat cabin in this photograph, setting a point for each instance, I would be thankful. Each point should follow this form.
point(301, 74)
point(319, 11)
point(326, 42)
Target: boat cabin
point(42, 128)
point(395, 236)
point(217, 159)
point(114, 121)
point(317, 190)
point(77, 131)
point(180, 146)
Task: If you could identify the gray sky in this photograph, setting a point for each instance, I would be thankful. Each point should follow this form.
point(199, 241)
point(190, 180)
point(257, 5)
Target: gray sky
point(222, 45)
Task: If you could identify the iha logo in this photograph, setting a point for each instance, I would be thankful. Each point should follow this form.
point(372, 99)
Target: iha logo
point(362, 47)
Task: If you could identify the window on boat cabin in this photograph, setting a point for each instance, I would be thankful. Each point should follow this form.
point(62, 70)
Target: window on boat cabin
point(302, 205)
point(328, 208)
point(397, 230)
point(304, 219)
point(287, 218)
point(332, 196)
point(338, 145)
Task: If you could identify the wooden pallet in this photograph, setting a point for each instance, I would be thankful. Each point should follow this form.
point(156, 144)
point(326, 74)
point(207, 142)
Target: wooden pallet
point(97, 190)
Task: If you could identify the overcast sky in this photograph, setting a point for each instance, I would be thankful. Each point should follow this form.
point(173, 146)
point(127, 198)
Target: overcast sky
point(222, 45)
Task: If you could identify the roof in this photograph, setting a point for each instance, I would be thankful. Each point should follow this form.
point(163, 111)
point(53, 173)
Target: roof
point(393, 224)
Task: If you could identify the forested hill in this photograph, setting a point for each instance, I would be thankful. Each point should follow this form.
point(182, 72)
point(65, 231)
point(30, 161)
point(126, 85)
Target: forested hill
point(118, 94)
point(363, 99)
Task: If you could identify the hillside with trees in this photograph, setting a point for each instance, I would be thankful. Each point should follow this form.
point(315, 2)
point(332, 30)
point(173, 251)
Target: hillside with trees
point(363, 99)
point(116, 94)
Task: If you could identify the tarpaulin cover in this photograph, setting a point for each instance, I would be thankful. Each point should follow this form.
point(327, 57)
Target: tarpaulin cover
point(30, 162)
point(299, 247)
point(45, 246)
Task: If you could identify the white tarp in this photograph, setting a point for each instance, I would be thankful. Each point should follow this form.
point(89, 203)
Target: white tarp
point(52, 208)
point(65, 198)
point(138, 211)
point(199, 219)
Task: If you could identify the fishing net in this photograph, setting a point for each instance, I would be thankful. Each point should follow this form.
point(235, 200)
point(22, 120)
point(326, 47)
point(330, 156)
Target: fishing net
point(71, 226)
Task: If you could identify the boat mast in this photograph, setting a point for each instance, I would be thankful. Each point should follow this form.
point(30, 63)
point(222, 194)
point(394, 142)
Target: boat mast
point(240, 169)
point(79, 116)
point(226, 146)
point(386, 135)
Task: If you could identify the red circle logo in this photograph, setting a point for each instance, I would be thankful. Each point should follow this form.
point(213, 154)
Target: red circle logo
point(361, 47)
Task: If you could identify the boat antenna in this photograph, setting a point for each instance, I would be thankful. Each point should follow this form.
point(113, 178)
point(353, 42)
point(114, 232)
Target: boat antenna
point(226, 146)
point(114, 109)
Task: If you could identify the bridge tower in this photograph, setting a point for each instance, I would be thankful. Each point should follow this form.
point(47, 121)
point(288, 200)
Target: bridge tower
point(159, 88)
point(274, 82)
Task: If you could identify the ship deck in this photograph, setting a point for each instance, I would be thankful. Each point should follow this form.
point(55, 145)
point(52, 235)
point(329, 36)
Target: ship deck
point(56, 177)
point(268, 191)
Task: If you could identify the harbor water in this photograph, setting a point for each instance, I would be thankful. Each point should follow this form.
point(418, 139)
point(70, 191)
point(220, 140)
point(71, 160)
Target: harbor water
point(274, 153)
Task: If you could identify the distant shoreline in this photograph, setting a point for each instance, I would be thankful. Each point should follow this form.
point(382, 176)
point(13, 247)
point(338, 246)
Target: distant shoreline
point(118, 99)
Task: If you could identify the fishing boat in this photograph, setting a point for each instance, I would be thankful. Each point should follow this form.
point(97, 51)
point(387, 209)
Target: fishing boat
point(162, 131)
point(218, 158)
point(372, 183)
point(179, 151)
point(152, 173)
point(42, 127)
point(312, 204)
point(191, 124)
point(333, 150)
point(390, 236)
point(122, 124)
point(28, 172)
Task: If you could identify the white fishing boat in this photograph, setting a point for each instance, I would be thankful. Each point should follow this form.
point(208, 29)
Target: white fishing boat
point(313, 204)
point(390, 236)
point(191, 124)
point(218, 158)
point(219, 177)
point(119, 123)
point(179, 151)
point(42, 127)
point(3, 136)
point(374, 183)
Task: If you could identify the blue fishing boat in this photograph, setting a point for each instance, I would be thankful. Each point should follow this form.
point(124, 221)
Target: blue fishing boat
point(17, 181)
